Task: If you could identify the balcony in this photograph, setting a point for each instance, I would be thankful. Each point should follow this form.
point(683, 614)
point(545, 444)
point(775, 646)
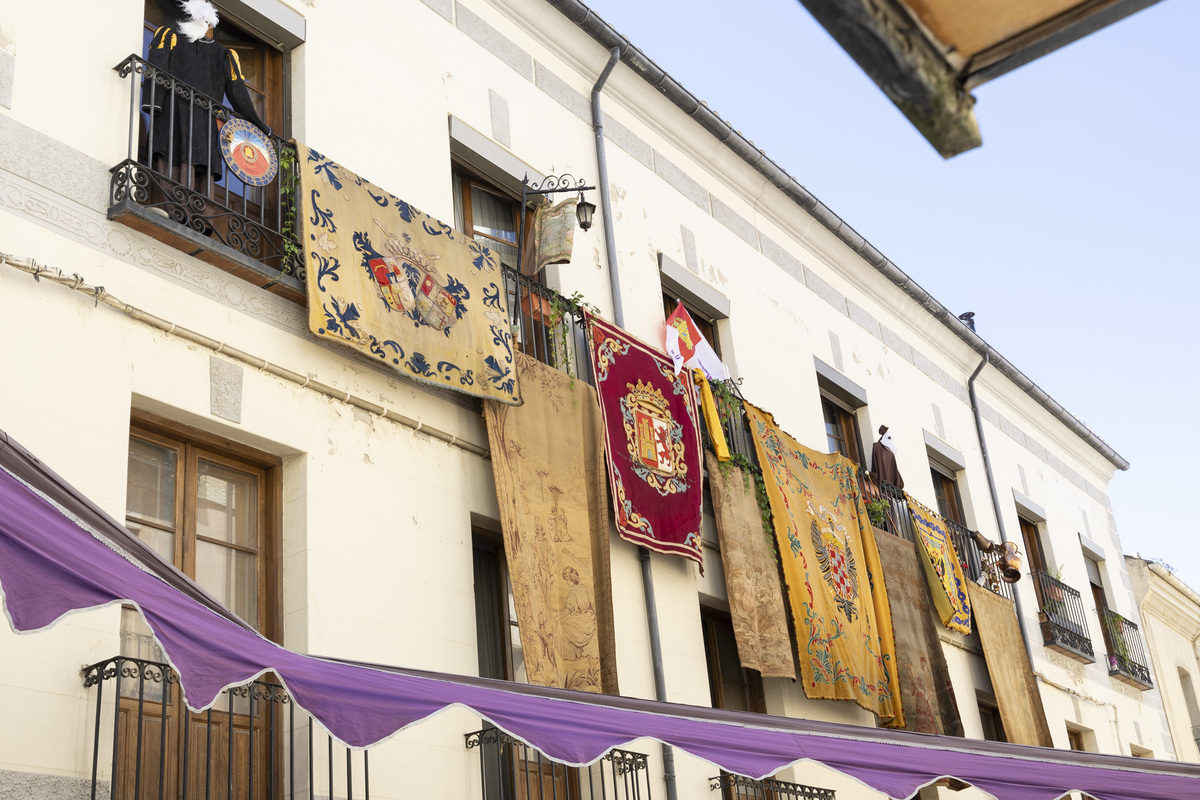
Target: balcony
point(1127, 661)
point(253, 744)
point(1062, 618)
point(512, 770)
point(735, 787)
point(251, 232)
point(977, 566)
point(547, 326)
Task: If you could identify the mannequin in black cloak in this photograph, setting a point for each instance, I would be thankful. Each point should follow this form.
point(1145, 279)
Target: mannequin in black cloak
point(188, 52)
point(883, 460)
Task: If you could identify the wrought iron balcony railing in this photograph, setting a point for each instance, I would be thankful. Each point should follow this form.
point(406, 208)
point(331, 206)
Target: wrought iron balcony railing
point(735, 787)
point(1062, 618)
point(547, 326)
point(1127, 661)
point(247, 230)
point(254, 744)
point(977, 566)
point(512, 770)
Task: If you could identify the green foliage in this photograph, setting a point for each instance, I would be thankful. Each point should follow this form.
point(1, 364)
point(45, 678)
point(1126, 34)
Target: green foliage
point(877, 511)
point(288, 180)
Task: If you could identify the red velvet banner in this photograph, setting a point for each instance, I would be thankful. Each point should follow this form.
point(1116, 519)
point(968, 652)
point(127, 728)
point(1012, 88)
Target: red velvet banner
point(652, 440)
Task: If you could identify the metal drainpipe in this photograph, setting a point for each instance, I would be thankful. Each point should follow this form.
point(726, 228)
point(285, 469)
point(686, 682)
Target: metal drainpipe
point(610, 243)
point(987, 466)
point(610, 239)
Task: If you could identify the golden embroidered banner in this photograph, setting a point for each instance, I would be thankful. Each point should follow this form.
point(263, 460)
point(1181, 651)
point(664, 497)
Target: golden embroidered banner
point(942, 567)
point(548, 462)
point(751, 573)
point(400, 286)
point(1013, 681)
point(831, 565)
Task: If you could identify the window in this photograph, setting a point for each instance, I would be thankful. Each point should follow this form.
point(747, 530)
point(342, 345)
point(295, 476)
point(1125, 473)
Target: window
point(204, 507)
point(498, 635)
point(945, 492)
point(508, 771)
point(1078, 739)
point(731, 685)
point(487, 214)
point(209, 508)
point(1096, 583)
point(1035, 556)
point(989, 718)
point(262, 65)
point(841, 430)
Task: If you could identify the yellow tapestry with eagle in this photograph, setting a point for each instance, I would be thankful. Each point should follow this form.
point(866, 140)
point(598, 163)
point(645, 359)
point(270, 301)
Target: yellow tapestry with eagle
point(835, 585)
point(402, 287)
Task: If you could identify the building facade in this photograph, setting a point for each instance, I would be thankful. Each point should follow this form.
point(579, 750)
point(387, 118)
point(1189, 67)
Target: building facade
point(156, 353)
point(1171, 615)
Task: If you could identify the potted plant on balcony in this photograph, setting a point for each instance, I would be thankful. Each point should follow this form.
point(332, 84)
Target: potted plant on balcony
point(877, 512)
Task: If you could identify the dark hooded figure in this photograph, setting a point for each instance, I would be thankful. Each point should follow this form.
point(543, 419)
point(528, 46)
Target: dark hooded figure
point(188, 52)
point(883, 459)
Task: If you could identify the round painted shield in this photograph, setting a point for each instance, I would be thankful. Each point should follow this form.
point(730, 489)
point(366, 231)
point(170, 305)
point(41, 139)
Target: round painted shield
point(248, 152)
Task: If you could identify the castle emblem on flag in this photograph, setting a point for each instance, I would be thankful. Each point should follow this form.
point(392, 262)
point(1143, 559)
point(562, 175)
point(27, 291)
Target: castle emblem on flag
point(655, 439)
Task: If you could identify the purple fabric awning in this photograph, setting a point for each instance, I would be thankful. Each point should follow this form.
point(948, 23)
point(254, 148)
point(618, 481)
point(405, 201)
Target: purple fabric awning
point(60, 554)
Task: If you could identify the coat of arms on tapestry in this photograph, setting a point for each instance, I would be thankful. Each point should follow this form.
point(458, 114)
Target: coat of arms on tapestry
point(831, 566)
point(402, 287)
point(651, 439)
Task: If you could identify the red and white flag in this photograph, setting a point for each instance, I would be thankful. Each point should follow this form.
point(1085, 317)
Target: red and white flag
point(687, 347)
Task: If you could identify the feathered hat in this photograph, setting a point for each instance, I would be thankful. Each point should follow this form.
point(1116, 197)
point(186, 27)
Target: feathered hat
point(201, 15)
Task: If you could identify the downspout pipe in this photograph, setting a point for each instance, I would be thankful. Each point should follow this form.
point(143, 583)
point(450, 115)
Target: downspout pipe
point(610, 244)
point(654, 75)
point(987, 467)
point(610, 238)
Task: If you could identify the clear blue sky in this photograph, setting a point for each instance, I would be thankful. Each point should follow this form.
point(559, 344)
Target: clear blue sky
point(1072, 233)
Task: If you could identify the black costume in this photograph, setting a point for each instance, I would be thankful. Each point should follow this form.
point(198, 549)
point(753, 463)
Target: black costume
point(208, 67)
point(883, 461)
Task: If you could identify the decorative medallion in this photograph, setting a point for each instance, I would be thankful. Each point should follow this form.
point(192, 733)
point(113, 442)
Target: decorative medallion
point(248, 152)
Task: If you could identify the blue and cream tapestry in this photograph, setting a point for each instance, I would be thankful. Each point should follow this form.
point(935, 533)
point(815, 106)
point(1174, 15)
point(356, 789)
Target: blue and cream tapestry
point(942, 568)
point(834, 578)
point(402, 287)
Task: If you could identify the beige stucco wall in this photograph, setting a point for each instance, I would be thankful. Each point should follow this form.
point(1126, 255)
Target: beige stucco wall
point(1171, 620)
point(391, 581)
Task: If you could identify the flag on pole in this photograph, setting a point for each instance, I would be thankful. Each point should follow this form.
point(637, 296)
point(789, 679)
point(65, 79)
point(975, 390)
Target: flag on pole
point(687, 347)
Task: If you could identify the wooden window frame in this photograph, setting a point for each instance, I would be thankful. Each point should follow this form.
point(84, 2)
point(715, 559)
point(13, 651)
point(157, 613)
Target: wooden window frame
point(946, 495)
point(465, 178)
point(193, 444)
point(847, 421)
point(750, 679)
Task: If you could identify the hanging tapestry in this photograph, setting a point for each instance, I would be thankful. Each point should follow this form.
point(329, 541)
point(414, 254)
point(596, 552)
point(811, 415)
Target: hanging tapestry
point(652, 439)
point(549, 472)
point(402, 287)
point(1013, 681)
point(751, 573)
point(552, 237)
point(929, 702)
point(831, 567)
point(942, 568)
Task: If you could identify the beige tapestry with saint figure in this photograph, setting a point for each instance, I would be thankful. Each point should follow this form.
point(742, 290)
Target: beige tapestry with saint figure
point(751, 573)
point(548, 462)
point(1013, 682)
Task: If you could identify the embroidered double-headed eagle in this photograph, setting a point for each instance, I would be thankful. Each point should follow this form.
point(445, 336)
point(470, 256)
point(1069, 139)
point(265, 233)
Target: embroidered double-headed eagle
point(836, 559)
